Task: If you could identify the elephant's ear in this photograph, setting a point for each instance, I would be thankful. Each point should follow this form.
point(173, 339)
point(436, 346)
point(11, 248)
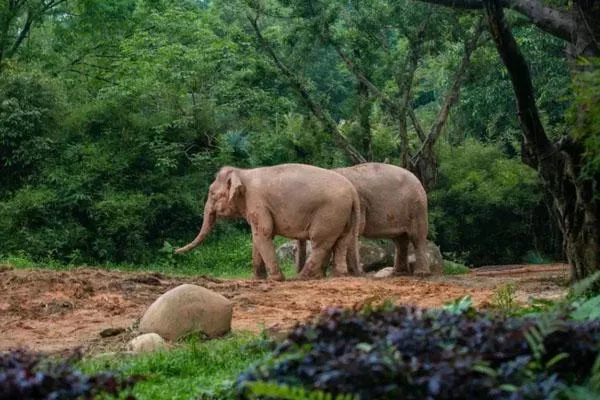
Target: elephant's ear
point(236, 188)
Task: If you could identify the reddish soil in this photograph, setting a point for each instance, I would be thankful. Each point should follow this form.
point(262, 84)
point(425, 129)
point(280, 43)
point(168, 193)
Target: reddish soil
point(55, 311)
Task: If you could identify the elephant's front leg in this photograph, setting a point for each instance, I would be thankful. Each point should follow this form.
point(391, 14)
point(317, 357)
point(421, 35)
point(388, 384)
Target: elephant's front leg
point(258, 265)
point(262, 241)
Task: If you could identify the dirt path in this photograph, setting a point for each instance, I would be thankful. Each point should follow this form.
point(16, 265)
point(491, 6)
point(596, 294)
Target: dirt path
point(55, 311)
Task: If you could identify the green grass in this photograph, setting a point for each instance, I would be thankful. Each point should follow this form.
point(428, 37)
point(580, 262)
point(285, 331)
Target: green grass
point(453, 268)
point(221, 257)
point(184, 372)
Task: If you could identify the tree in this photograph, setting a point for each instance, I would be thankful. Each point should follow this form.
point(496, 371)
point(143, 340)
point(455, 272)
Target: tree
point(17, 18)
point(561, 165)
point(364, 35)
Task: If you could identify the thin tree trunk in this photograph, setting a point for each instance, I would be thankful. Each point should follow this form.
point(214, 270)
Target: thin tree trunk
point(363, 111)
point(424, 163)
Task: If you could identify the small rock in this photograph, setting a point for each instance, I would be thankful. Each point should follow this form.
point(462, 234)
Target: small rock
point(384, 272)
point(146, 343)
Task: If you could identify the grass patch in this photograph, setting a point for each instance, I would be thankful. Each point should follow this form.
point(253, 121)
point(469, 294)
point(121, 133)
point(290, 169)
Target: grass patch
point(453, 268)
point(185, 372)
point(227, 257)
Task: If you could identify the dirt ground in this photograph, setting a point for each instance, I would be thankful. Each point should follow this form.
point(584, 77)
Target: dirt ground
point(54, 311)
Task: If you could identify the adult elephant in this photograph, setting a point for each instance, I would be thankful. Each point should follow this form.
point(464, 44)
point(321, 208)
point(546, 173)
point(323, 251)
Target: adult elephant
point(293, 200)
point(393, 206)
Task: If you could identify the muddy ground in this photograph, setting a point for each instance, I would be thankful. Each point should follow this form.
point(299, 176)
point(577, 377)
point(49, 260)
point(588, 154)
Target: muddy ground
point(54, 311)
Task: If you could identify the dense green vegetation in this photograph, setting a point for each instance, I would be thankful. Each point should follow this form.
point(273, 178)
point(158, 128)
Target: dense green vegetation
point(115, 116)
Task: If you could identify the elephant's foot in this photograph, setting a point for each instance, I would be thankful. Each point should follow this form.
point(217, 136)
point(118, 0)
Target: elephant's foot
point(278, 277)
point(307, 275)
point(401, 270)
point(259, 277)
point(422, 274)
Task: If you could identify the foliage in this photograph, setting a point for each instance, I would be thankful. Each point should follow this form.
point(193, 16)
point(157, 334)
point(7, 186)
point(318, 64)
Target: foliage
point(587, 89)
point(27, 375)
point(412, 353)
point(454, 268)
point(504, 298)
point(257, 390)
point(115, 116)
point(28, 116)
point(482, 206)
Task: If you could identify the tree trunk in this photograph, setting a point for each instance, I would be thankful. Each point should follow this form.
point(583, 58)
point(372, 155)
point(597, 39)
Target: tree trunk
point(363, 111)
point(559, 166)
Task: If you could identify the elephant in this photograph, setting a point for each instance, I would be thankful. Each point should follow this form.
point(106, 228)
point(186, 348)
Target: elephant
point(297, 201)
point(393, 205)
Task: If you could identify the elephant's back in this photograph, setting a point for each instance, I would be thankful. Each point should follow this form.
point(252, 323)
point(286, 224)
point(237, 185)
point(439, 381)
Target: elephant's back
point(374, 179)
point(300, 177)
point(391, 197)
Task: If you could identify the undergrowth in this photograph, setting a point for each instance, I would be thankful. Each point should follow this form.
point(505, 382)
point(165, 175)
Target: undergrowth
point(220, 257)
point(195, 367)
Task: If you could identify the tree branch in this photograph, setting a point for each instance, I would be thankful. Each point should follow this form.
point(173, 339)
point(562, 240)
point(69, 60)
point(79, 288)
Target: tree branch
point(537, 146)
point(22, 34)
point(556, 22)
point(416, 124)
point(452, 95)
point(316, 109)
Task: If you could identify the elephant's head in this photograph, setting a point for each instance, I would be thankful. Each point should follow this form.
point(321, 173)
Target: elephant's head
point(225, 200)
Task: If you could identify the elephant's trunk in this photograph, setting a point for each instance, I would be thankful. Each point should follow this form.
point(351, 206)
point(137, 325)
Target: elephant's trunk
point(207, 225)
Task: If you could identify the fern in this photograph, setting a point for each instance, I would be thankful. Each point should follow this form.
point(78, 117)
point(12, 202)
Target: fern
point(546, 324)
point(584, 287)
point(260, 389)
point(589, 391)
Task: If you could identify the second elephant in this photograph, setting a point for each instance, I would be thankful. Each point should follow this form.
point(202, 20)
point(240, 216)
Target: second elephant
point(393, 206)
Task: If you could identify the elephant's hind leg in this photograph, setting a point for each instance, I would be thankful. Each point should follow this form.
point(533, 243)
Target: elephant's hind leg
point(340, 251)
point(401, 266)
point(421, 267)
point(315, 265)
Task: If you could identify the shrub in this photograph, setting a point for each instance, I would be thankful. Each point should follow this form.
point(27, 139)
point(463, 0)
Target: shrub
point(27, 375)
point(482, 206)
point(410, 353)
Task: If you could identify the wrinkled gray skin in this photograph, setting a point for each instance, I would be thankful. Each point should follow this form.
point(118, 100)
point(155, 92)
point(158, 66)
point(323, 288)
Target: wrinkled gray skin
point(293, 200)
point(393, 206)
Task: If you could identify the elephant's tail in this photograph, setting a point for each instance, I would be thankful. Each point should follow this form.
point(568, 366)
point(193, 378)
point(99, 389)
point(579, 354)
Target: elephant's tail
point(353, 250)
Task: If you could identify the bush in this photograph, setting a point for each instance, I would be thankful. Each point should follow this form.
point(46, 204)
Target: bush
point(482, 207)
point(410, 353)
point(27, 375)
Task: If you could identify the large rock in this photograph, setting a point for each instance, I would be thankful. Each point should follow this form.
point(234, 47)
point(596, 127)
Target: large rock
point(373, 256)
point(146, 343)
point(188, 309)
point(434, 257)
